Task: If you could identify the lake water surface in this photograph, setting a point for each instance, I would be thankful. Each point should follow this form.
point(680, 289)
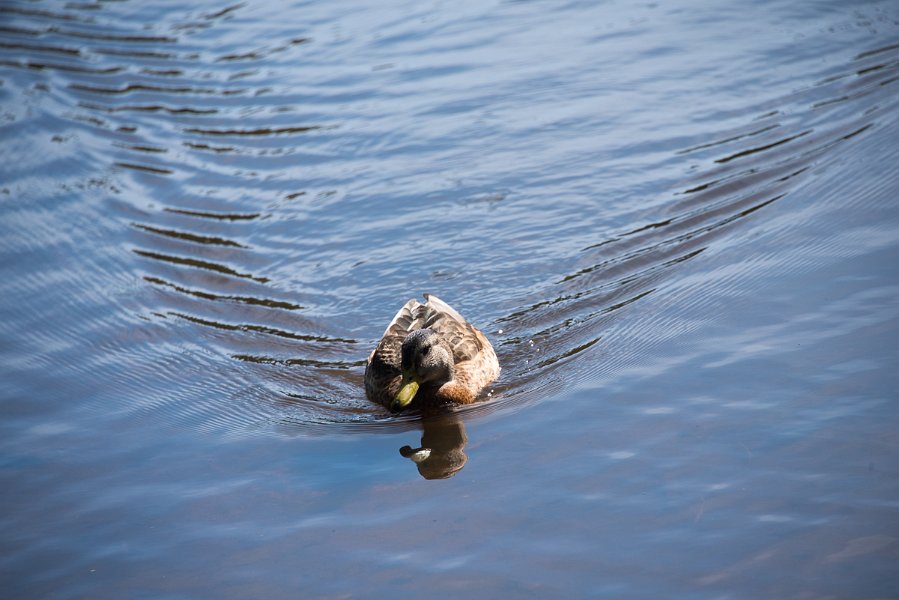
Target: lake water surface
point(677, 221)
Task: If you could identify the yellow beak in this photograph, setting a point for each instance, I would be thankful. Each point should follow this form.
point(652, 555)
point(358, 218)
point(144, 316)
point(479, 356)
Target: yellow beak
point(407, 392)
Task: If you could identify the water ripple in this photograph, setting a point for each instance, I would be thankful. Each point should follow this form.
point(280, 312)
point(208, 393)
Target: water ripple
point(270, 213)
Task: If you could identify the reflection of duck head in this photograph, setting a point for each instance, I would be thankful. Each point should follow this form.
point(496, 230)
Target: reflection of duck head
point(441, 453)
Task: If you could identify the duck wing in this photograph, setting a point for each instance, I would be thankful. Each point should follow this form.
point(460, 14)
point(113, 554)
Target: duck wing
point(386, 356)
point(465, 341)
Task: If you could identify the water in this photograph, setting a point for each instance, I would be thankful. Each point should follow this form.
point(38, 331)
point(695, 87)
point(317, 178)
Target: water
point(677, 223)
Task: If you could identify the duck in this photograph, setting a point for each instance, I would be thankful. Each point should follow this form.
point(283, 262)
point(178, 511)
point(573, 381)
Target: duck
point(429, 356)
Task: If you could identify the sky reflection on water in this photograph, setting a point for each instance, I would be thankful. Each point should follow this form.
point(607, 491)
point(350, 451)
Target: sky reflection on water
point(676, 222)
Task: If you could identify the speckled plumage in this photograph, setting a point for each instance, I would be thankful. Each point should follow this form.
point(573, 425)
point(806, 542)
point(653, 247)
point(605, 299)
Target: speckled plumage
point(474, 361)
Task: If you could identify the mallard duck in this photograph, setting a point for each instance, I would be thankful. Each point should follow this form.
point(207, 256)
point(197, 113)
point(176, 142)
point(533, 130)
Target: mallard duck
point(429, 355)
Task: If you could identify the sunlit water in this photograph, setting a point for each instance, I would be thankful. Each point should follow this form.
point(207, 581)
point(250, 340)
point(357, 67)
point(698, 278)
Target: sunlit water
point(678, 223)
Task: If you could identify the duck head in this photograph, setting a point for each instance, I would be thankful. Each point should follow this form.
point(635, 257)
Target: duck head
point(427, 361)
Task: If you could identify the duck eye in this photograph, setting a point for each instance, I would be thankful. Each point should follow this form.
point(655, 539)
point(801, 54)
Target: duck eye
point(425, 350)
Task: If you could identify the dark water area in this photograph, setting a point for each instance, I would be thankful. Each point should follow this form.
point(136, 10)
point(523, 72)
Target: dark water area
point(677, 222)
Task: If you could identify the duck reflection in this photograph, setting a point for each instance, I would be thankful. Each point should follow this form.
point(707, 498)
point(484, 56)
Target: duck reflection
point(441, 454)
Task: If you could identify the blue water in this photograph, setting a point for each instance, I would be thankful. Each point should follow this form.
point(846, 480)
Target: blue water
point(677, 222)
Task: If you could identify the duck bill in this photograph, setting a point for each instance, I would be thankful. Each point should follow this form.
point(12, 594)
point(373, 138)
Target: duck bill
point(404, 397)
